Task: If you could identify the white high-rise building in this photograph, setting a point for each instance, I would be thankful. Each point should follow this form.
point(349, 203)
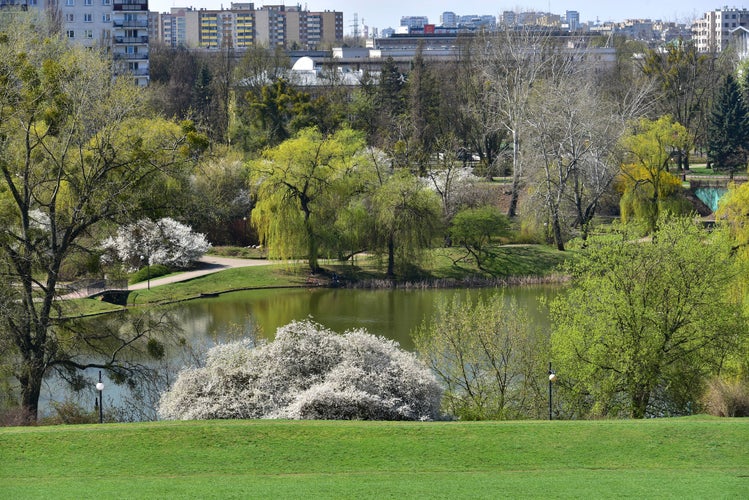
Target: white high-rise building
point(712, 33)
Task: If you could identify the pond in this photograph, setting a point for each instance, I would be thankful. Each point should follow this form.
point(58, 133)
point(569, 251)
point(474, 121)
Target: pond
point(393, 314)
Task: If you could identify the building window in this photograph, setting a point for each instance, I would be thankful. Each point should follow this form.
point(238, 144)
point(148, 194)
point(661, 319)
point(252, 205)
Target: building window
point(70, 33)
point(88, 18)
point(69, 2)
point(105, 18)
point(70, 17)
point(88, 2)
point(88, 34)
point(106, 2)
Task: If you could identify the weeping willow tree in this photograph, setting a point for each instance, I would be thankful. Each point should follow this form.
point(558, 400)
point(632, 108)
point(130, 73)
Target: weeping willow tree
point(646, 184)
point(407, 217)
point(298, 186)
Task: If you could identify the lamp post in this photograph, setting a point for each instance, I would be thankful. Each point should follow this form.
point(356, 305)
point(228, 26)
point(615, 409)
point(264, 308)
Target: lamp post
point(552, 379)
point(148, 269)
point(100, 388)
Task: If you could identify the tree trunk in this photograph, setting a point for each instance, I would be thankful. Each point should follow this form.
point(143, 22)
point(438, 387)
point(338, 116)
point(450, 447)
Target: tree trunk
point(311, 240)
point(31, 388)
point(557, 228)
point(639, 402)
point(391, 257)
point(512, 210)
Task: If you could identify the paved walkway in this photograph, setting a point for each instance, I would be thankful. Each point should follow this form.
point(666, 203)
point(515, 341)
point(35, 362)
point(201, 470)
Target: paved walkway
point(209, 264)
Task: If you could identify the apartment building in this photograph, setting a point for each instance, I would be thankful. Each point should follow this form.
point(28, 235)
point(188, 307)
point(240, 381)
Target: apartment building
point(129, 25)
point(119, 27)
point(242, 26)
point(712, 33)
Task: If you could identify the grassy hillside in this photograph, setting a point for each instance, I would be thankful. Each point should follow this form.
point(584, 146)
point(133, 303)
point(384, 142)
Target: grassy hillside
point(678, 458)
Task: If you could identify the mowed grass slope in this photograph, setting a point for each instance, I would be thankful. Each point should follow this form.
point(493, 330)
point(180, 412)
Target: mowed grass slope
point(697, 457)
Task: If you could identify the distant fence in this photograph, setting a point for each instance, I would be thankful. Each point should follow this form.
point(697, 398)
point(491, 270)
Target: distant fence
point(93, 286)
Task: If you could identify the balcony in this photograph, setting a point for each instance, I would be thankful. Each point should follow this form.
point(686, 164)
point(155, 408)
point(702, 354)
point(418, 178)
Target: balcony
point(136, 23)
point(131, 39)
point(121, 56)
point(130, 5)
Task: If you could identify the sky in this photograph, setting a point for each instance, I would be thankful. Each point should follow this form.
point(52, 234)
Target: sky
point(387, 13)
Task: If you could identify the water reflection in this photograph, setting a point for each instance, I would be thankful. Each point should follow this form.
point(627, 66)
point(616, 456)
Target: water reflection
point(391, 313)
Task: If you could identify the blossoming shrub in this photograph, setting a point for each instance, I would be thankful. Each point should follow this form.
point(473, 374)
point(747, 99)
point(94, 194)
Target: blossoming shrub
point(164, 241)
point(308, 372)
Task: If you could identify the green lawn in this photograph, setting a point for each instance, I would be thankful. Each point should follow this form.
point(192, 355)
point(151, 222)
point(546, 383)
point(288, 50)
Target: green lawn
point(698, 457)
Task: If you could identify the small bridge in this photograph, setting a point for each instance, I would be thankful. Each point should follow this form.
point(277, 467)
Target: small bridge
point(710, 188)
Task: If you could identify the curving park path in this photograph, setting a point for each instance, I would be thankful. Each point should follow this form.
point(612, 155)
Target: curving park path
point(208, 264)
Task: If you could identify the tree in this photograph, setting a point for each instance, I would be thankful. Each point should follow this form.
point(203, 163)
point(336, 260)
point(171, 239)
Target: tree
point(728, 130)
point(279, 111)
point(511, 63)
point(219, 201)
point(407, 216)
point(645, 178)
point(423, 105)
point(298, 187)
point(468, 115)
point(732, 213)
point(571, 154)
point(164, 241)
point(645, 322)
point(489, 357)
point(307, 372)
point(456, 186)
point(475, 228)
point(684, 84)
point(75, 153)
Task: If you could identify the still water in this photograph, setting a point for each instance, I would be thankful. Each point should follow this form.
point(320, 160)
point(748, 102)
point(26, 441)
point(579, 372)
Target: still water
point(391, 313)
point(394, 314)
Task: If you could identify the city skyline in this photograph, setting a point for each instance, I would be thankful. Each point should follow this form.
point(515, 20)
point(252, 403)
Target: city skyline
point(387, 13)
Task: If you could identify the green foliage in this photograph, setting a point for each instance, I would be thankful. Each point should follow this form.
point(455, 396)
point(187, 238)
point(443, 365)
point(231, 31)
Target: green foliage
point(299, 186)
point(149, 272)
point(489, 357)
point(645, 179)
point(686, 81)
point(645, 322)
point(475, 228)
point(407, 217)
point(732, 213)
point(77, 151)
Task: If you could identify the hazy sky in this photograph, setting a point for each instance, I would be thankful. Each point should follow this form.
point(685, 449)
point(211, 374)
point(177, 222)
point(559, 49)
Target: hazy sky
point(387, 13)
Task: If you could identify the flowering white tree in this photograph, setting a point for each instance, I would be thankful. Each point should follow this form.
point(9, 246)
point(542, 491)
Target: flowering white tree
point(165, 241)
point(308, 372)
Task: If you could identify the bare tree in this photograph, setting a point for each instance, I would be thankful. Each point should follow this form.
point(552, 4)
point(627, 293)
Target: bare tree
point(573, 138)
point(511, 63)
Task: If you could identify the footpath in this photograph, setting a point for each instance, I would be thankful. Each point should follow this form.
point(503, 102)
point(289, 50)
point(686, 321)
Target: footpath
point(208, 264)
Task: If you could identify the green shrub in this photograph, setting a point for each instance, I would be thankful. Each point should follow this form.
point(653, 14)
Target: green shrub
point(153, 271)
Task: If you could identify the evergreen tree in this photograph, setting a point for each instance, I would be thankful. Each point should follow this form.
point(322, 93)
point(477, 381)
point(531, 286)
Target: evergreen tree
point(728, 131)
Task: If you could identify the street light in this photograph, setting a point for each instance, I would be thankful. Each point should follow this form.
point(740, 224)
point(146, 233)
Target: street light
point(552, 379)
point(148, 269)
point(100, 388)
